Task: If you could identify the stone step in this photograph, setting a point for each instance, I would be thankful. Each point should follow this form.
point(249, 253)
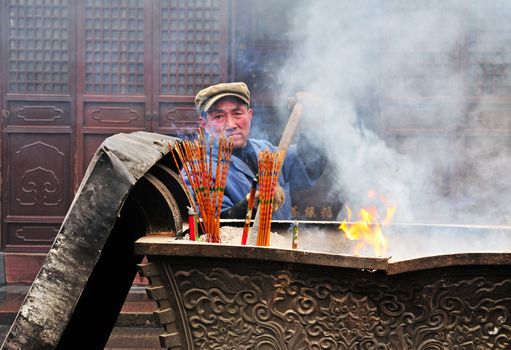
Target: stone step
point(136, 327)
point(134, 338)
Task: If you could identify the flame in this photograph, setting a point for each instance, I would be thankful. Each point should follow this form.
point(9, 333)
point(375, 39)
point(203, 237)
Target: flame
point(368, 228)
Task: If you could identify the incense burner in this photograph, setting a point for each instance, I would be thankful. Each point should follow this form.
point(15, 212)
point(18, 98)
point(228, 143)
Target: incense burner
point(213, 296)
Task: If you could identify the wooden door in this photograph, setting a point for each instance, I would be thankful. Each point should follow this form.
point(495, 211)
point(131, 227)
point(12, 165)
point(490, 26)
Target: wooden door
point(38, 139)
point(73, 72)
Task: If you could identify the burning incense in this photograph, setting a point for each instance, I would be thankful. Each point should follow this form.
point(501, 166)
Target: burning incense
point(207, 178)
point(269, 164)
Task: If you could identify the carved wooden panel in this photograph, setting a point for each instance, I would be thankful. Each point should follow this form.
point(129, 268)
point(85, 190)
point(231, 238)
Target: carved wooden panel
point(177, 118)
point(114, 47)
point(193, 45)
point(38, 46)
point(319, 203)
point(39, 237)
point(231, 305)
point(40, 113)
point(39, 175)
point(114, 115)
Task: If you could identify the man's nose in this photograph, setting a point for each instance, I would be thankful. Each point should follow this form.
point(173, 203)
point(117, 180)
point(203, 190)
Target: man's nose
point(230, 122)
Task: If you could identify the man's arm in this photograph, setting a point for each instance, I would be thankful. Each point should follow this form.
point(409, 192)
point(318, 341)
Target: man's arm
point(234, 211)
point(311, 154)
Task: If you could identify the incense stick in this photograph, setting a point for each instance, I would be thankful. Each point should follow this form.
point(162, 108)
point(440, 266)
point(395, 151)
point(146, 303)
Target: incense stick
point(269, 164)
point(207, 178)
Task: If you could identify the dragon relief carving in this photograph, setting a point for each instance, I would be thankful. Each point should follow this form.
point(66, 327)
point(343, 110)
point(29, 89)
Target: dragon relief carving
point(231, 309)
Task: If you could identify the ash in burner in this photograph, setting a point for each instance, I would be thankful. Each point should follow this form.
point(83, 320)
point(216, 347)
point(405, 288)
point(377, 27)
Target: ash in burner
point(232, 235)
point(310, 238)
point(413, 241)
point(405, 241)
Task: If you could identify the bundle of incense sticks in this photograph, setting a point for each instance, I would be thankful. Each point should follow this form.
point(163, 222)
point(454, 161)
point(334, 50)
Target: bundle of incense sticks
point(269, 164)
point(207, 178)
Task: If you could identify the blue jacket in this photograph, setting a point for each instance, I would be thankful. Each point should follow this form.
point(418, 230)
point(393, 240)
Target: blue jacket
point(293, 177)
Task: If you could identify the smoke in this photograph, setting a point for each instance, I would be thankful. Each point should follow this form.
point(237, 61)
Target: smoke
point(411, 102)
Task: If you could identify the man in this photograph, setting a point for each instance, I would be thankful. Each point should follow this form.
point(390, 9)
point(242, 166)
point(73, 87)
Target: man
point(225, 109)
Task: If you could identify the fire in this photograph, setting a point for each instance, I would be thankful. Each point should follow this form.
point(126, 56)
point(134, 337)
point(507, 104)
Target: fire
point(368, 228)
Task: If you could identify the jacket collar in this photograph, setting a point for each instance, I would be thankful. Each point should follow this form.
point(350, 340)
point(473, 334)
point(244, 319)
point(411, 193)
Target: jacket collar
point(235, 161)
point(241, 166)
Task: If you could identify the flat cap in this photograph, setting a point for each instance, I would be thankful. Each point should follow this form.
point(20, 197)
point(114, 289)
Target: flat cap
point(208, 96)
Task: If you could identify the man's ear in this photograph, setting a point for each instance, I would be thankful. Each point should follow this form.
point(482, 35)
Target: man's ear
point(250, 114)
point(202, 122)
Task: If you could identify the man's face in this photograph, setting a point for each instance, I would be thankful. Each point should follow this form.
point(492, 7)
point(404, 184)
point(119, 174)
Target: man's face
point(230, 117)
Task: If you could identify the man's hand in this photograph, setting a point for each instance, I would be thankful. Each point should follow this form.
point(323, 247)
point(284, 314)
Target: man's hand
point(279, 198)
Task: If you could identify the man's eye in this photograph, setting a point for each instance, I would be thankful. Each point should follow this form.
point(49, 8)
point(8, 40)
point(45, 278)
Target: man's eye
point(218, 117)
